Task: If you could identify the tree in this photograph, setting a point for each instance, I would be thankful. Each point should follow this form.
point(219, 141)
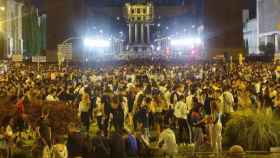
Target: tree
point(34, 29)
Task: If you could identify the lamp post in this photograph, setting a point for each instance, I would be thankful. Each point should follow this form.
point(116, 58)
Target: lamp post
point(62, 58)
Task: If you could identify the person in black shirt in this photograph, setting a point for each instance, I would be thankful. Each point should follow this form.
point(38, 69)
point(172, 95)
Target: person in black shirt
point(76, 143)
point(117, 113)
point(44, 134)
point(117, 144)
point(44, 129)
point(101, 146)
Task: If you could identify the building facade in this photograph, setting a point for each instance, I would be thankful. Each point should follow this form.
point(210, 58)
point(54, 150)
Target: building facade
point(268, 17)
point(250, 37)
point(139, 19)
point(11, 28)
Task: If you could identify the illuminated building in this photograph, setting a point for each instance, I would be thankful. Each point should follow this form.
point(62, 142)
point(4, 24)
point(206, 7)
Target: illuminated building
point(139, 18)
point(268, 23)
point(10, 28)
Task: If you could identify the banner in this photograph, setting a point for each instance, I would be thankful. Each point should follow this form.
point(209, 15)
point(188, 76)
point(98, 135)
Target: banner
point(65, 51)
point(39, 59)
point(17, 57)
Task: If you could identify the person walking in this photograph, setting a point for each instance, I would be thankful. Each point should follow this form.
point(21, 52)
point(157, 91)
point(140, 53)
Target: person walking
point(181, 112)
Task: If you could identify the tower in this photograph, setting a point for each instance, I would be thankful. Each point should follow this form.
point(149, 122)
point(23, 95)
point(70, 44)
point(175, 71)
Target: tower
point(11, 40)
point(139, 18)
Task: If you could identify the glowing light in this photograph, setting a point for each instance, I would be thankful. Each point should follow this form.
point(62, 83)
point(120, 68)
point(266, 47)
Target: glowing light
point(186, 41)
point(193, 51)
point(2, 8)
point(96, 43)
point(158, 48)
point(197, 40)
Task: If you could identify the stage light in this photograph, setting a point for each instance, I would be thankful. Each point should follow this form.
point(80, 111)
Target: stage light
point(96, 43)
point(197, 40)
point(181, 42)
point(158, 48)
point(186, 41)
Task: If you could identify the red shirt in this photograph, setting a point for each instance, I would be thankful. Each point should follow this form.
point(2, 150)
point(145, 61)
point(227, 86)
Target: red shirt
point(20, 106)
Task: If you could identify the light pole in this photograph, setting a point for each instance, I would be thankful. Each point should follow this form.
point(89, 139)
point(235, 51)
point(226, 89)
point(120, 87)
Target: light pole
point(74, 38)
point(70, 39)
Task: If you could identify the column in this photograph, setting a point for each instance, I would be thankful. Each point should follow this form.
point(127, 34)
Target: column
point(130, 33)
point(276, 43)
point(136, 33)
point(19, 29)
point(148, 33)
point(142, 33)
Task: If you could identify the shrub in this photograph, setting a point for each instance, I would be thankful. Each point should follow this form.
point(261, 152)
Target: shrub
point(253, 130)
point(60, 114)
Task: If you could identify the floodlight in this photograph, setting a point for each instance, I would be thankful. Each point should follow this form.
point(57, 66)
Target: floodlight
point(96, 43)
point(158, 48)
point(191, 41)
point(197, 40)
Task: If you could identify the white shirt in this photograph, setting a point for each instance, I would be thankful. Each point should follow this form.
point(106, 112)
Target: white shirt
point(136, 100)
point(98, 107)
point(228, 101)
point(53, 76)
point(189, 101)
point(83, 106)
point(60, 151)
point(168, 138)
point(51, 98)
point(167, 95)
point(258, 87)
point(181, 110)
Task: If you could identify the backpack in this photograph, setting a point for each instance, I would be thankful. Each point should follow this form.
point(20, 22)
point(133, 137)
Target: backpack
point(132, 145)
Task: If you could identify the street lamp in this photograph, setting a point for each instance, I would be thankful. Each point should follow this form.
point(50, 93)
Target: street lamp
point(2, 8)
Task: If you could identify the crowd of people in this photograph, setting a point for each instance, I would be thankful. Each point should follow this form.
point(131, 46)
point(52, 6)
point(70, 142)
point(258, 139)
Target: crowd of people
point(137, 109)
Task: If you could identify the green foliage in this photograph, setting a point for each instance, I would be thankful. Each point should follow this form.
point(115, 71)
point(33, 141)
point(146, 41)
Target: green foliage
point(34, 31)
point(253, 130)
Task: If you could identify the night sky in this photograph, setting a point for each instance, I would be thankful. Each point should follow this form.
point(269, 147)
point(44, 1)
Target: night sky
point(251, 4)
point(223, 18)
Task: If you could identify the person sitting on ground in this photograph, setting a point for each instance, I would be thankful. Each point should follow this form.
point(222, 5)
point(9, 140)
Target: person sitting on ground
point(100, 145)
point(59, 150)
point(167, 142)
point(117, 144)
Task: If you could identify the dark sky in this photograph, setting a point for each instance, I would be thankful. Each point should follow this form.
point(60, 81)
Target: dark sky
point(223, 20)
point(251, 4)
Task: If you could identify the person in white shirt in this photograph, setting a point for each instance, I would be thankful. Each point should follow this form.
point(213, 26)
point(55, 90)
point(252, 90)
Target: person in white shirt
point(216, 135)
point(228, 101)
point(167, 142)
point(180, 112)
point(52, 96)
point(59, 150)
point(189, 101)
point(83, 110)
